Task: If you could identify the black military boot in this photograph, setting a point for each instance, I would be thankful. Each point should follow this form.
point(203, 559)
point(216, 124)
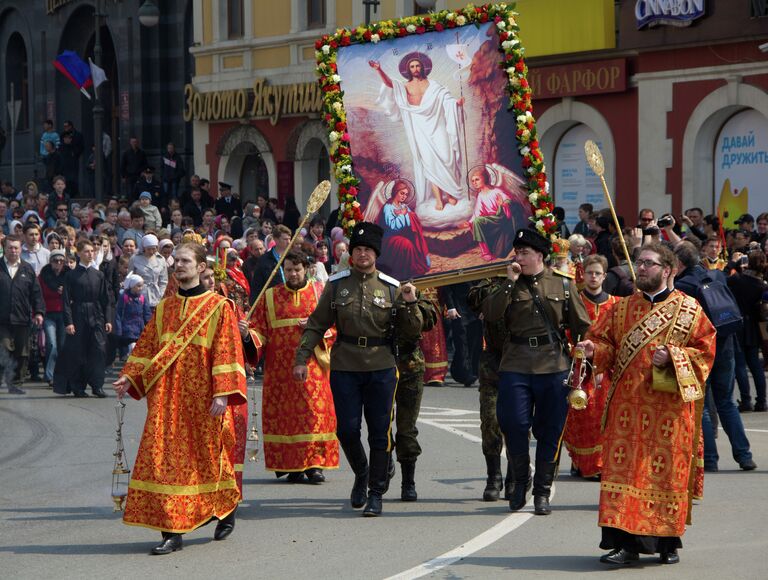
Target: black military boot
point(520, 466)
point(355, 454)
point(408, 485)
point(378, 475)
point(493, 483)
point(542, 487)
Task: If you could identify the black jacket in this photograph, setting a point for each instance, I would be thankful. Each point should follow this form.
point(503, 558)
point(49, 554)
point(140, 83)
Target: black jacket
point(133, 163)
point(229, 208)
point(261, 273)
point(20, 297)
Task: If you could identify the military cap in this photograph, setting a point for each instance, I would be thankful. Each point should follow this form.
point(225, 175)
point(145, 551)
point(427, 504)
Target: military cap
point(223, 185)
point(532, 239)
point(366, 234)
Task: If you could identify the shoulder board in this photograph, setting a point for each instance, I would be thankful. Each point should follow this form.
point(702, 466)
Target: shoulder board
point(388, 279)
point(339, 275)
point(563, 274)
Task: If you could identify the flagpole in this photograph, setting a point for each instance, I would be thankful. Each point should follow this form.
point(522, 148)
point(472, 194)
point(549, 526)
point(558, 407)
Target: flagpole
point(463, 124)
point(98, 115)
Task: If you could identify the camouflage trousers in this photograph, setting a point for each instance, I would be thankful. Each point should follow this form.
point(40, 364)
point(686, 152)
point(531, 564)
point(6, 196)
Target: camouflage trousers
point(489, 392)
point(410, 388)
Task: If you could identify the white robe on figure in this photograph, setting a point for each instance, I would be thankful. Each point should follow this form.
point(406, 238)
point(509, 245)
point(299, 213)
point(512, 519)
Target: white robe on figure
point(433, 129)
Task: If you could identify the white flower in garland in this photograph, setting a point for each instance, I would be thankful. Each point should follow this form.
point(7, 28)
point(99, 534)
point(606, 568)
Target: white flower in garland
point(346, 168)
point(337, 106)
point(411, 28)
point(533, 198)
point(326, 49)
point(333, 136)
point(450, 16)
point(522, 119)
point(546, 186)
point(461, 21)
point(336, 78)
point(375, 38)
point(501, 25)
point(525, 150)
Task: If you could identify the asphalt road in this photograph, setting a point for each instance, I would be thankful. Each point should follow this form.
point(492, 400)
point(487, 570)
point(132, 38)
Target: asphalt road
point(56, 518)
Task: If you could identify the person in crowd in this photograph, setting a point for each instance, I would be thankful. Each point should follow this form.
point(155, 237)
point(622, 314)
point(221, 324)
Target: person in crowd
point(88, 316)
point(203, 384)
point(78, 142)
point(53, 162)
point(251, 217)
point(195, 207)
point(132, 313)
point(132, 162)
point(534, 363)
point(266, 230)
point(691, 279)
point(268, 262)
point(152, 268)
point(656, 379)
point(153, 221)
point(712, 258)
point(49, 135)
point(618, 278)
point(466, 333)
point(21, 302)
point(227, 204)
point(291, 215)
point(582, 228)
point(492, 441)
point(147, 182)
point(51, 281)
point(748, 286)
point(363, 370)
point(70, 163)
point(254, 250)
point(173, 172)
point(33, 252)
point(53, 241)
point(136, 231)
point(582, 436)
point(300, 442)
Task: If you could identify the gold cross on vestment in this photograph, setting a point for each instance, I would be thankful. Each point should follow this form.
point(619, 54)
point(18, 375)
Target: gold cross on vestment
point(619, 455)
point(658, 464)
point(667, 427)
point(624, 419)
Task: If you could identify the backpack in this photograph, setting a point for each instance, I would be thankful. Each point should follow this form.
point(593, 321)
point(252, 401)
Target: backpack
point(719, 305)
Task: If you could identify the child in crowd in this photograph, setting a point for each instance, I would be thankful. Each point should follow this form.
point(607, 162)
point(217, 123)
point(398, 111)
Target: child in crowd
point(133, 313)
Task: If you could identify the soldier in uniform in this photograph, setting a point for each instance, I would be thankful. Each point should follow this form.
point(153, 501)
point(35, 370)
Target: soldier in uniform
point(495, 333)
point(410, 388)
point(537, 306)
point(369, 310)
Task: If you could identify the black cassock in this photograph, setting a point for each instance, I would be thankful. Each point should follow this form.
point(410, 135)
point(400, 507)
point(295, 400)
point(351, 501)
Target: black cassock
point(88, 305)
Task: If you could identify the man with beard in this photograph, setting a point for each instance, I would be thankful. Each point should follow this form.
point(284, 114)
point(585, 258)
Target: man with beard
point(659, 346)
point(370, 312)
point(188, 363)
point(298, 418)
point(537, 304)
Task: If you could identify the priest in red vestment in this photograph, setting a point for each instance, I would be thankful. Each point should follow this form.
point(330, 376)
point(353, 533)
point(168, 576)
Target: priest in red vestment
point(298, 419)
point(189, 365)
point(582, 437)
point(432, 344)
point(659, 346)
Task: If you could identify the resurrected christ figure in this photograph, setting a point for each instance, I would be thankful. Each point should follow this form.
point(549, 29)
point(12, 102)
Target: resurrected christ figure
point(432, 119)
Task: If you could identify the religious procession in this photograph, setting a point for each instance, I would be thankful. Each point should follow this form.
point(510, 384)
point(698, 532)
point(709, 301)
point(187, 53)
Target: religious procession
point(400, 307)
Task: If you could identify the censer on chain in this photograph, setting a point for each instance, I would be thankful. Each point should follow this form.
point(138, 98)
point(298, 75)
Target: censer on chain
point(120, 472)
point(252, 441)
point(577, 397)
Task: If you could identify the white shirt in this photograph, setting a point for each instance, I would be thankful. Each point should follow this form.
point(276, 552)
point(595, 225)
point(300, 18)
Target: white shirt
point(12, 268)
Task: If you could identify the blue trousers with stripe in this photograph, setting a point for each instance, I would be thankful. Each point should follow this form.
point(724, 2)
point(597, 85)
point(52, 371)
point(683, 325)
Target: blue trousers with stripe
point(532, 402)
point(370, 394)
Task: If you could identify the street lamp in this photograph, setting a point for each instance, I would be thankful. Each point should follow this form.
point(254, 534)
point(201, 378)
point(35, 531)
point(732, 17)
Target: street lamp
point(149, 16)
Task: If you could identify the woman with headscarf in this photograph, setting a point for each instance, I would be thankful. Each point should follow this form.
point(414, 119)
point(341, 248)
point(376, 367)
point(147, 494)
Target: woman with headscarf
point(152, 268)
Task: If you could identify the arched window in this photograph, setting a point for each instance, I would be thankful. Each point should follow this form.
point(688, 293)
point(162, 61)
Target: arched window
point(17, 72)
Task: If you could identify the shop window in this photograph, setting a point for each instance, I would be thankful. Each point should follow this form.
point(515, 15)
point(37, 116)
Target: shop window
point(17, 72)
point(759, 8)
point(234, 19)
point(316, 13)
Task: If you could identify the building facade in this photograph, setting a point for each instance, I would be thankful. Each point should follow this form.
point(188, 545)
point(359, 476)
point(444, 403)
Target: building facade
point(659, 89)
point(146, 69)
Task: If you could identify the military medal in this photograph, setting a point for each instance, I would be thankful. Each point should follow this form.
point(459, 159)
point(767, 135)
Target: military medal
point(378, 297)
point(344, 293)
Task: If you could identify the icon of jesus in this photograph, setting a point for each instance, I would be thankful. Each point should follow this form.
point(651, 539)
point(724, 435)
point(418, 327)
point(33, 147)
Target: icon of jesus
point(432, 119)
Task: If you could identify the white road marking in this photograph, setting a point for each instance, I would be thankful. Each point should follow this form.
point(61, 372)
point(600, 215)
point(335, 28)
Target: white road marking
point(481, 541)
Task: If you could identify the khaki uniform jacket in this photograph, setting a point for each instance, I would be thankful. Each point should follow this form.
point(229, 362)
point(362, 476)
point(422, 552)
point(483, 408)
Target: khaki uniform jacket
point(363, 309)
point(514, 304)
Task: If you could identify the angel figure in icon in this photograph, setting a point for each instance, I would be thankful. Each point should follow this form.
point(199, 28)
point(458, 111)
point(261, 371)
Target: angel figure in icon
point(500, 209)
point(404, 252)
